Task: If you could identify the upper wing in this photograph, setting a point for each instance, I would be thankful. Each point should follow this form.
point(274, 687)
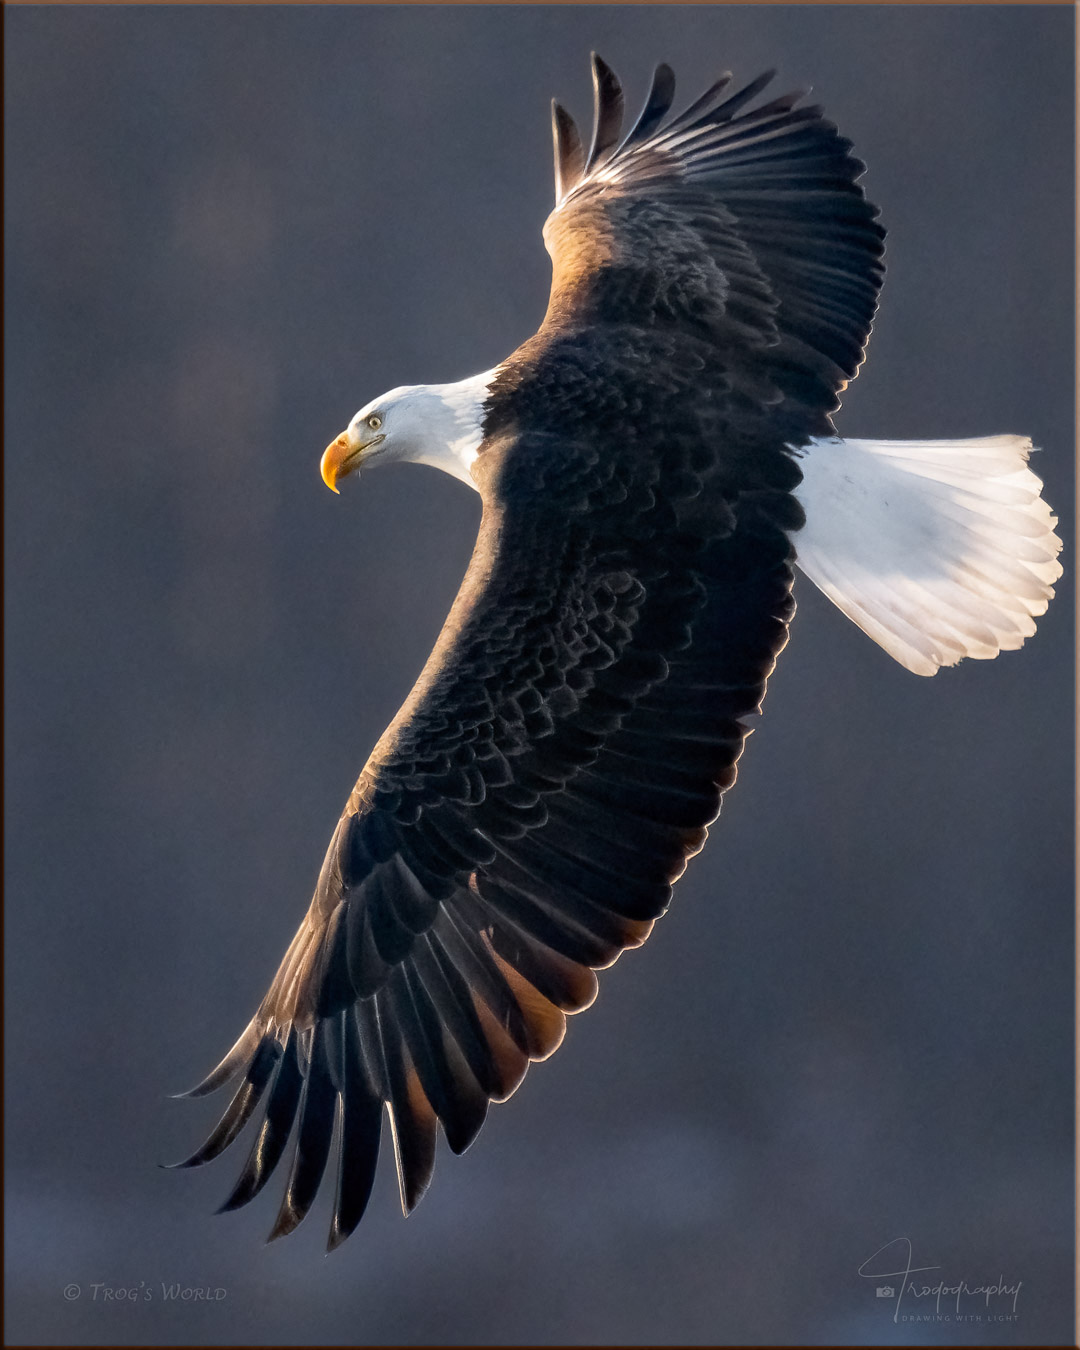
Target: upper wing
point(747, 226)
point(518, 826)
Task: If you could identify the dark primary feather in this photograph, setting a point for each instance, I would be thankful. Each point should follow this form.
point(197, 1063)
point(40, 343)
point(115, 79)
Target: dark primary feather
point(657, 106)
point(607, 113)
point(522, 821)
point(569, 156)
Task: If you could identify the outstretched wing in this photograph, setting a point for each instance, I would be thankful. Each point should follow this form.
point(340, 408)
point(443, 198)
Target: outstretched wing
point(517, 828)
point(747, 226)
point(524, 817)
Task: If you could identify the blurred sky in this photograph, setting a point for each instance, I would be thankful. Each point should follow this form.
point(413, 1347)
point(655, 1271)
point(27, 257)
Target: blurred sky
point(226, 230)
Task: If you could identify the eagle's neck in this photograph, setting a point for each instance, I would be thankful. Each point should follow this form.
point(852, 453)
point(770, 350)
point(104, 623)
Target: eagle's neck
point(450, 425)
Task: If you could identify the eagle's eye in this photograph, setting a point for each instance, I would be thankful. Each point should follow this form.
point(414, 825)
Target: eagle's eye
point(374, 421)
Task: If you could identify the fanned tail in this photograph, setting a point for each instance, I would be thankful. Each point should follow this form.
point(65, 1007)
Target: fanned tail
point(936, 549)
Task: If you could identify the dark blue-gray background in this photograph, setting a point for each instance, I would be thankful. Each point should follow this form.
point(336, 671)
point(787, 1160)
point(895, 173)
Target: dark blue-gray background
point(226, 231)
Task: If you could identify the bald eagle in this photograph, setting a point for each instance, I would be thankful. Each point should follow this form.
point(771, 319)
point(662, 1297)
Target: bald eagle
point(653, 464)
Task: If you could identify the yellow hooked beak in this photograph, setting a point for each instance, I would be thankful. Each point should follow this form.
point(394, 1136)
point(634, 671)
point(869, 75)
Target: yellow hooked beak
point(344, 455)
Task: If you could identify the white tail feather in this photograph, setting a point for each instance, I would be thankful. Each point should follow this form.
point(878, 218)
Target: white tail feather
point(936, 549)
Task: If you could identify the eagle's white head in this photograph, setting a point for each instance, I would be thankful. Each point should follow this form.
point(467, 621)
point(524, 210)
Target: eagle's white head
point(437, 424)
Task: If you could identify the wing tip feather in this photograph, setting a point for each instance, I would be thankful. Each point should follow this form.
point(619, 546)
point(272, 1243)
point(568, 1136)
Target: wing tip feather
point(569, 155)
point(228, 1067)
